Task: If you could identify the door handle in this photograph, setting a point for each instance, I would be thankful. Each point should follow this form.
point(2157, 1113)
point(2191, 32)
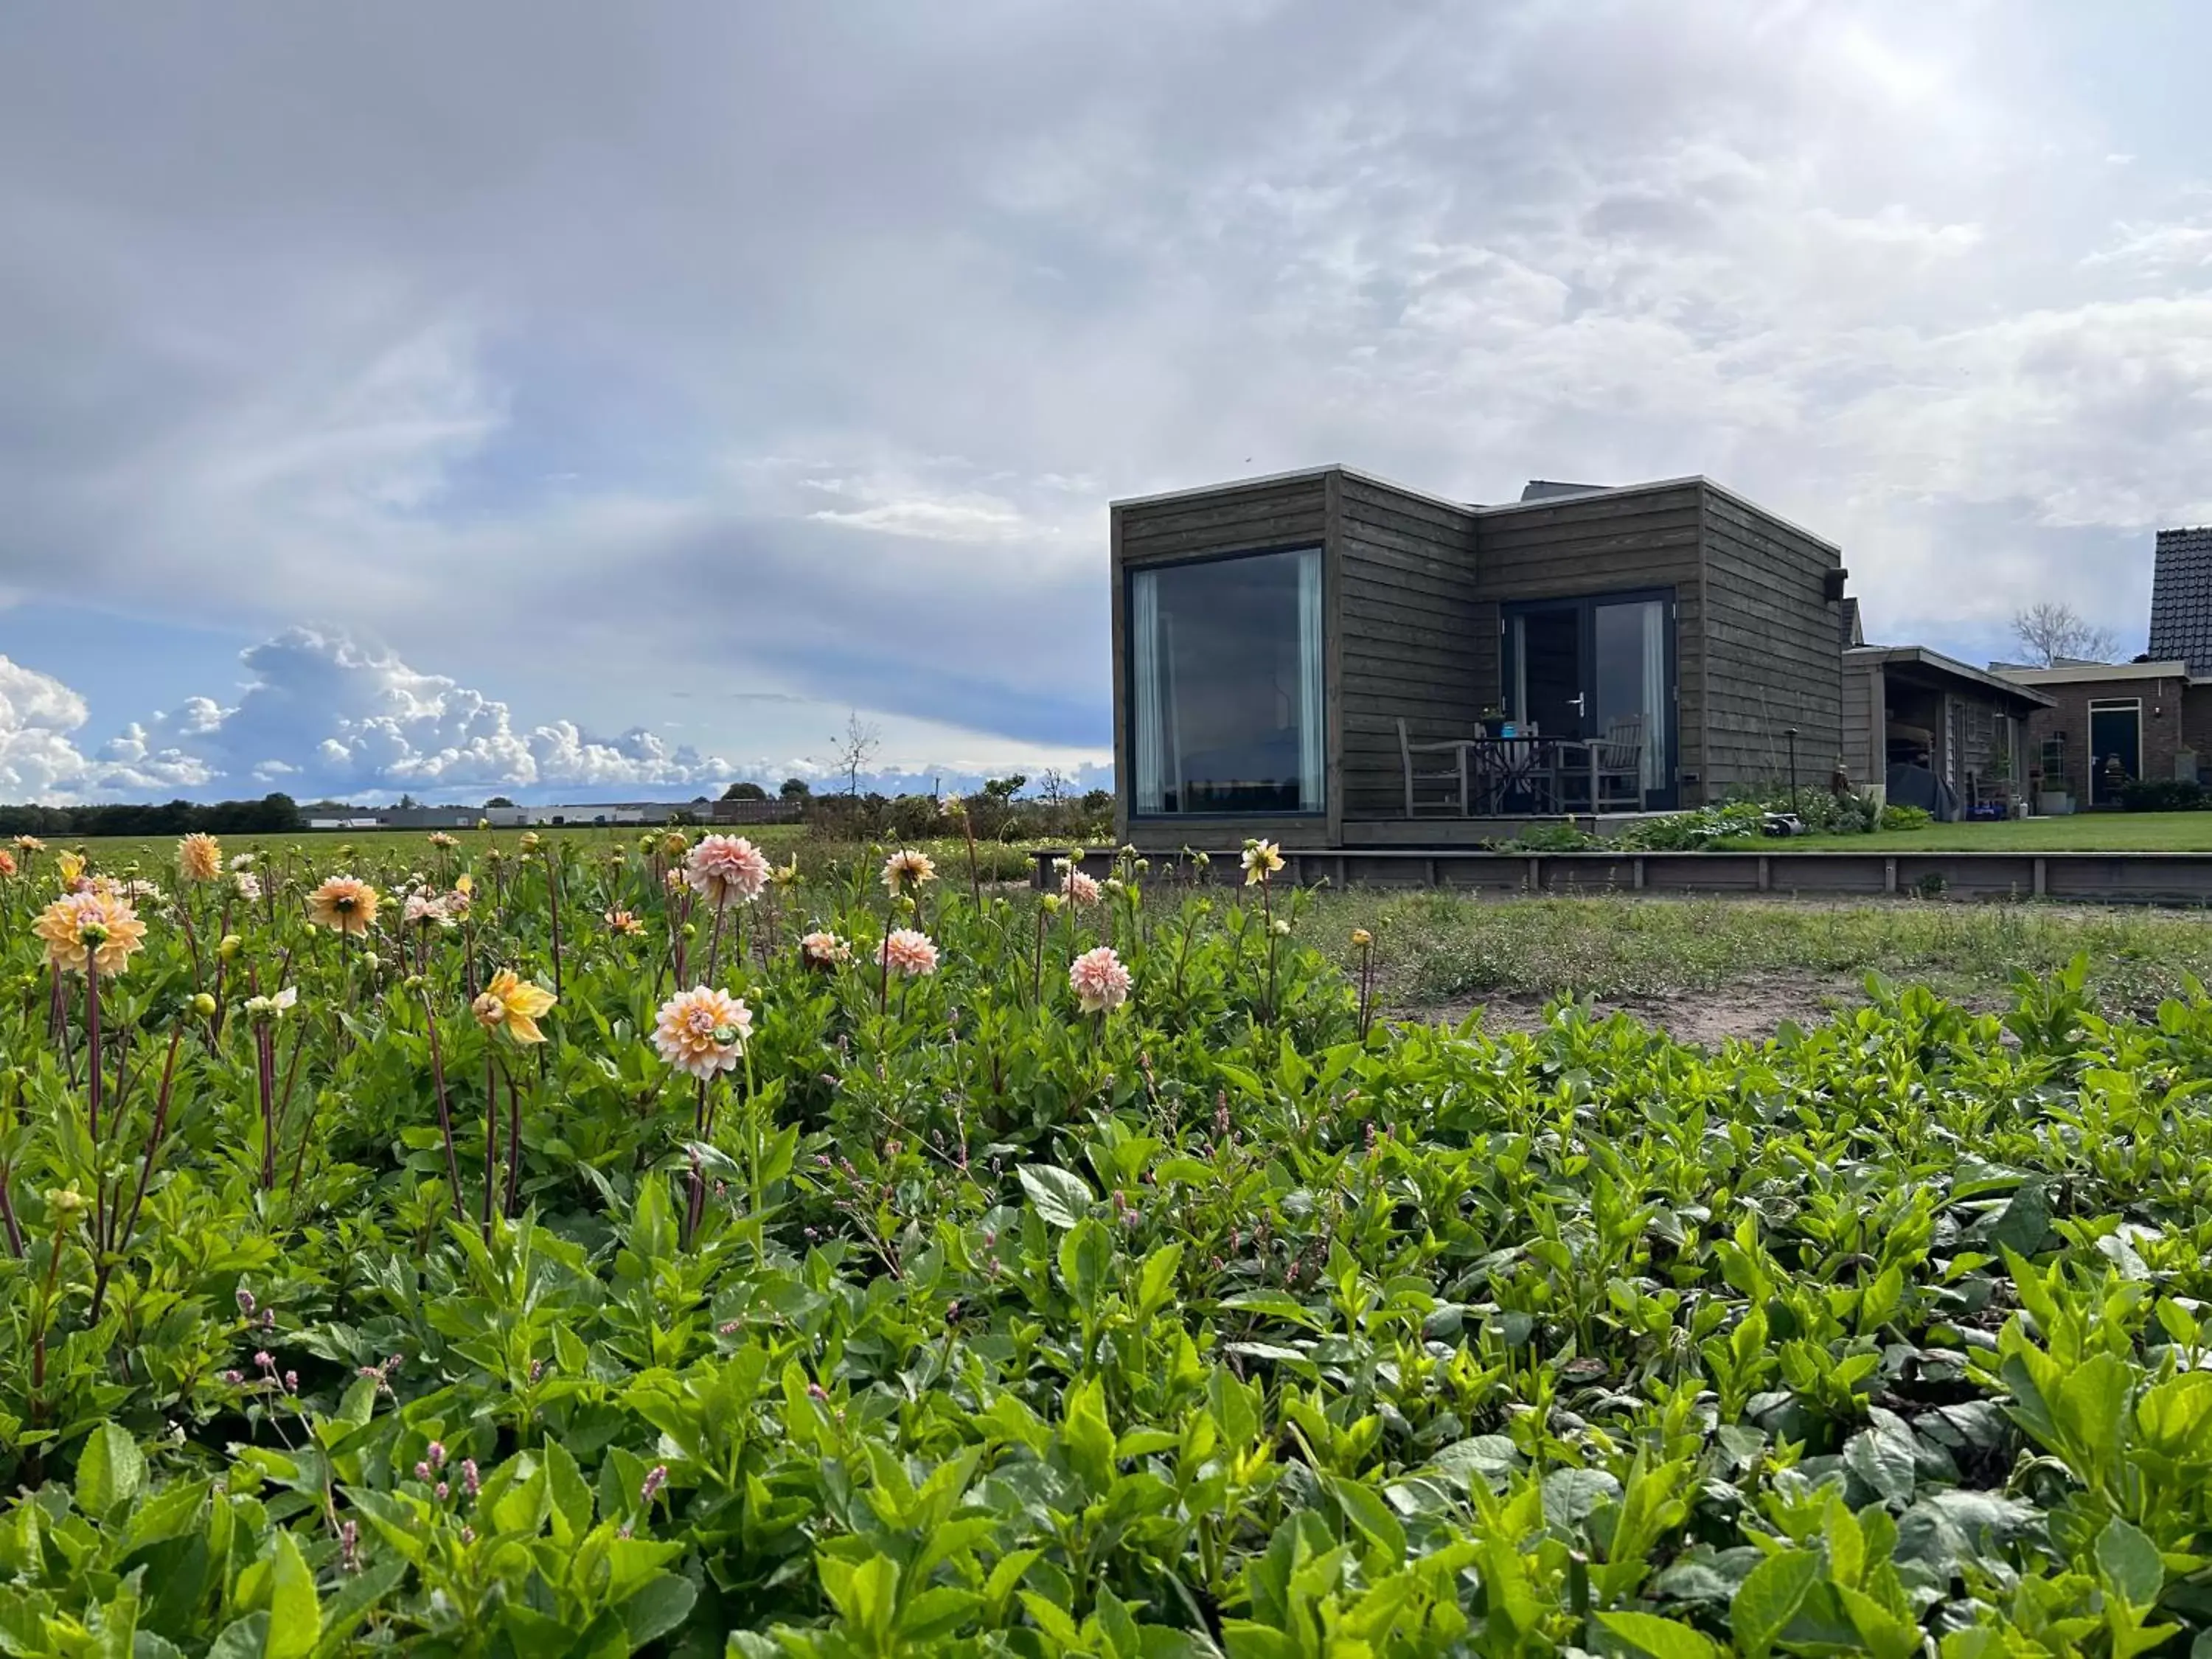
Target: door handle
point(1577, 701)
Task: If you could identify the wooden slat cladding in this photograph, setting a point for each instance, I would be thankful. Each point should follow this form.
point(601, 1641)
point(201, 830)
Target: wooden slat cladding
point(1287, 513)
point(1574, 547)
point(1410, 619)
point(1864, 718)
point(1772, 649)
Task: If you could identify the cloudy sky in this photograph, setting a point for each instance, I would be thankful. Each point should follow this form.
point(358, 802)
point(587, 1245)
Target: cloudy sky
point(569, 398)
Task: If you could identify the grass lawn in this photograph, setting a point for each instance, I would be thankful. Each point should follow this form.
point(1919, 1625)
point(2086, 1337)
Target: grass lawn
point(2082, 832)
point(1764, 958)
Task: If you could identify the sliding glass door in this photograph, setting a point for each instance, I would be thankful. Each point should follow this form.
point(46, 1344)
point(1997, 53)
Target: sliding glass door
point(1225, 685)
point(1599, 668)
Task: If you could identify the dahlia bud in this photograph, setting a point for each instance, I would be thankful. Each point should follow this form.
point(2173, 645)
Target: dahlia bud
point(230, 946)
point(204, 1005)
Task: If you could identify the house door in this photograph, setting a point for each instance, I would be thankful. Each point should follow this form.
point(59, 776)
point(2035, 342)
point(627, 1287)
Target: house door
point(2115, 732)
point(1585, 667)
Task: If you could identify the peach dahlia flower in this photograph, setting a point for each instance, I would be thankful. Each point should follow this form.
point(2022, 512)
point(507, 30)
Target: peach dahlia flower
point(823, 949)
point(89, 927)
point(345, 904)
point(1100, 981)
point(908, 952)
point(702, 1031)
point(725, 867)
point(199, 857)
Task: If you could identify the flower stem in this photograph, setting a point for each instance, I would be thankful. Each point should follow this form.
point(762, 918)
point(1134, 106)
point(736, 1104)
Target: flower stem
point(445, 1111)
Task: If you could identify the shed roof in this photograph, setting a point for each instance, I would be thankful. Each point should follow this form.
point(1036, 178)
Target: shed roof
point(1942, 667)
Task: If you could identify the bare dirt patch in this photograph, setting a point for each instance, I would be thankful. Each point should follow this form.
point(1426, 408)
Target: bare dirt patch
point(1755, 1010)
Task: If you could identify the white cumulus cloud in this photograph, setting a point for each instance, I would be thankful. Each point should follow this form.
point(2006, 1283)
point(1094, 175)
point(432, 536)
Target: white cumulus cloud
point(324, 713)
point(37, 713)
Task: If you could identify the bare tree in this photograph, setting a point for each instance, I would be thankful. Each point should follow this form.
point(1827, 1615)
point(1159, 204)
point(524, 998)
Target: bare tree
point(855, 748)
point(2050, 631)
point(1052, 785)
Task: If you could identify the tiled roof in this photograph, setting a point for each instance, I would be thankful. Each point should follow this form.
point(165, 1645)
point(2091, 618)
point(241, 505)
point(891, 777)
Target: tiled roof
point(2181, 598)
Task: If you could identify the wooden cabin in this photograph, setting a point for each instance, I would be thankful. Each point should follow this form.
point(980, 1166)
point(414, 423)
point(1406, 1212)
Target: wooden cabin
point(1291, 652)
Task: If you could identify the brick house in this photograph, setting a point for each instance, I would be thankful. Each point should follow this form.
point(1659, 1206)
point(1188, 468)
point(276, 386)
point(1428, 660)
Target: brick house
point(2154, 717)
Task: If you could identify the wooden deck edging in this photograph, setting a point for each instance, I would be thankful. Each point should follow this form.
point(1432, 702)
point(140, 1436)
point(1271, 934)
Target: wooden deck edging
point(2084, 878)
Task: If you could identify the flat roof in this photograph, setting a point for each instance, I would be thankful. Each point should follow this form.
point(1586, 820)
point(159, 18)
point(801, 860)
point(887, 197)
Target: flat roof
point(1920, 656)
point(1540, 505)
point(2089, 672)
point(1297, 474)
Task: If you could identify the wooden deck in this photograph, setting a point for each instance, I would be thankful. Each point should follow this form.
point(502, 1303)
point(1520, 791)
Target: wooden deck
point(2159, 878)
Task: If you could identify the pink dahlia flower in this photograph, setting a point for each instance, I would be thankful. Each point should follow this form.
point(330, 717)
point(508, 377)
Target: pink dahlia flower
point(725, 867)
point(702, 1031)
point(1080, 889)
point(1099, 980)
point(908, 952)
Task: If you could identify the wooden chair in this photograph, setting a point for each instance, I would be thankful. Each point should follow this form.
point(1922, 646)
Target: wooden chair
point(1613, 763)
point(1456, 776)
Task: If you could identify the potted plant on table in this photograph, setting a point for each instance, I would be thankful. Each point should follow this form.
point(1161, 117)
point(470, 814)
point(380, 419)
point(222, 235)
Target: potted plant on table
point(1493, 719)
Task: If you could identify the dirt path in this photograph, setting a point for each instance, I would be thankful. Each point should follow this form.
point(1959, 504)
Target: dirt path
point(1755, 1011)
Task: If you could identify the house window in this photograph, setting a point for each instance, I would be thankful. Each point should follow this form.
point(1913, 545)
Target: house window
point(1225, 685)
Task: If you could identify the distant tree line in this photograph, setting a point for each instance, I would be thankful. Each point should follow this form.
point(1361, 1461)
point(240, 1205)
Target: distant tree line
point(273, 814)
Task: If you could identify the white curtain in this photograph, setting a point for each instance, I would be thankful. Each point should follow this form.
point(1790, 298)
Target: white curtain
point(1148, 692)
point(1312, 750)
point(1656, 704)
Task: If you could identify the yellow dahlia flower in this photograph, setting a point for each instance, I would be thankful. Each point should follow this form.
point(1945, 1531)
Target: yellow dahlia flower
point(511, 1005)
point(1263, 858)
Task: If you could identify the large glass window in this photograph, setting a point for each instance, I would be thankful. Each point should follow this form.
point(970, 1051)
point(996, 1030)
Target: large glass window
point(1225, 685)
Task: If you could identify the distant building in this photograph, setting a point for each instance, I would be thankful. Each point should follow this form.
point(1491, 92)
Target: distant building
point(559, 814)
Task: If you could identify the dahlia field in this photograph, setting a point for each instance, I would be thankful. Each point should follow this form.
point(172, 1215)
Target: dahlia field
point(522, 1249)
